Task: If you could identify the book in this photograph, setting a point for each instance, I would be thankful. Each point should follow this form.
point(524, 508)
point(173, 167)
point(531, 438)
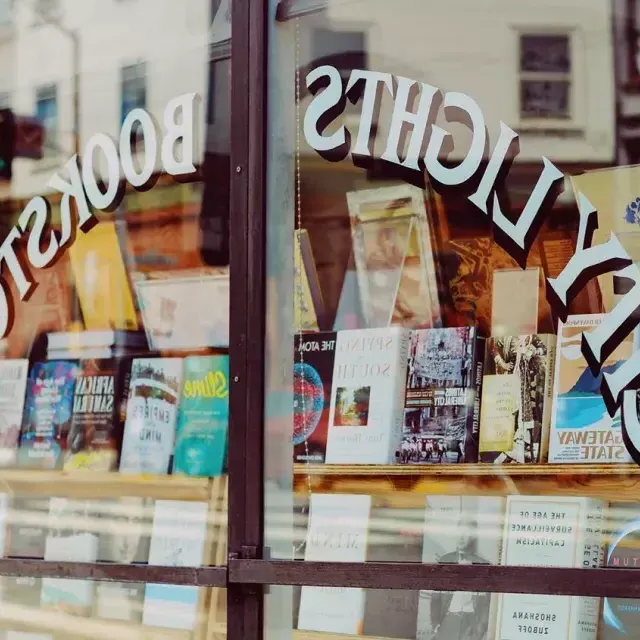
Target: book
point(125, 536)
point(13, 387)
point(314, 356)
point(308, 305)
point(71, 538)
point(109, 338)
point(581, 429)
point(177, 311)
point(442, 398)
point(151, 414)
point(394, 257)
point(95, 433)
point(514, 301)
point(621, 616)
point(551, 531)
point(460, 530)
point(365, 418)
point(125, 530)
point(203, 417)
point(517, 394)
point(338, 526)
point(27, 530)
point(469, 265)
point(392, 613)
point(119, 601)
point(178, 539)
point(47, 414)
point(101, 279)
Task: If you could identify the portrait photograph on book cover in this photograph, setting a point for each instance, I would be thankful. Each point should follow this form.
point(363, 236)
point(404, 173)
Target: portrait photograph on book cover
point(458, 530)
point(515, 391)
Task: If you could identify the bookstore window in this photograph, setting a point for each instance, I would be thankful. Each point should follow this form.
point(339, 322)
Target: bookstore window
point(448, 377)
point(114, 305)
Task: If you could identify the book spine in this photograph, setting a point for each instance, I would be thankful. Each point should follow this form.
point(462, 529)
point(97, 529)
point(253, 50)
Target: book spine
point(553, 445)
point(585, 609)
point(472, 435)
point(395, 439)
point(548, 399)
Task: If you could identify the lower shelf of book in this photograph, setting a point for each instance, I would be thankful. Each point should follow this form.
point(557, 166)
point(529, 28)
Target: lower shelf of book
point(322, 635)
point(612, 482)
point(81, 484)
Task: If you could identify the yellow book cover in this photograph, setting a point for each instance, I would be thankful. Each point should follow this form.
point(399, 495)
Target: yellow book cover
point(304, 312)
point(101, 279)
point(498, 417)
point(615, 193)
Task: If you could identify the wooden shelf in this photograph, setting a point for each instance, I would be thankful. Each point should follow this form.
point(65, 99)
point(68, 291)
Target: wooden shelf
point(611, 482)
point(32, 619)
point(322, 635)
point(89, 484)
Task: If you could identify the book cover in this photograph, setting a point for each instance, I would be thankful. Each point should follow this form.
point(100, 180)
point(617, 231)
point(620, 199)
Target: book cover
point(125, 535)
point(469, 265)
point(394, 257)
point(581, 429)
point(517, 395)
point(314, 356)
point(365, 418)
point(551, 531)
point(460, 530)
point(338, 526)
point(101, 279)
point(308, 305)
point(178, 540)
point(176, 310)
point(203, 417)
point(107, 339)
point(47, 414)
point(71, 538)
point(442, 398)
point(621, 616)
point(151, 414)
point(95, 433)
point(125, 530)
point(13, 386)
point(392, 613)
point(27, 531)
point(514, 301)
point(119, 601)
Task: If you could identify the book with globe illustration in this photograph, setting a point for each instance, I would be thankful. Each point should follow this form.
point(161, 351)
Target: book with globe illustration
point(581, 429)
point(367, 396)
point(442, 401)
point(203, 417)
point(312, 381)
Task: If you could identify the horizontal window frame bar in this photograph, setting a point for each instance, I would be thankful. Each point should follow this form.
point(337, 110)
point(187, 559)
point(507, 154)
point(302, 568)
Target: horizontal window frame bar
point(108, 572)
point(601, 582)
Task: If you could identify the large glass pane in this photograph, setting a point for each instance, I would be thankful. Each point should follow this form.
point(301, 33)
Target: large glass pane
point(451, 290)
point(114, 193)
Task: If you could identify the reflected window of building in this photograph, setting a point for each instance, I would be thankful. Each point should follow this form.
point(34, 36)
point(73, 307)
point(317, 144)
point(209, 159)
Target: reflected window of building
point(545, 76)
point(47, 114)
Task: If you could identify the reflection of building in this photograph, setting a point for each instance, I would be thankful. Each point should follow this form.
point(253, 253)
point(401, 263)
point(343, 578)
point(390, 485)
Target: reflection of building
point(547, 74)
point(131, 54)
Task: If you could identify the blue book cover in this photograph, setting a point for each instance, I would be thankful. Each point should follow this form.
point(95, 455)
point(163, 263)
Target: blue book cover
point(621, 616)
point(203, 418)
point(47, 414)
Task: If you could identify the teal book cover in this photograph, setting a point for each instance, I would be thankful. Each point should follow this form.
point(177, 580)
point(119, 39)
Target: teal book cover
point(203, 418)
